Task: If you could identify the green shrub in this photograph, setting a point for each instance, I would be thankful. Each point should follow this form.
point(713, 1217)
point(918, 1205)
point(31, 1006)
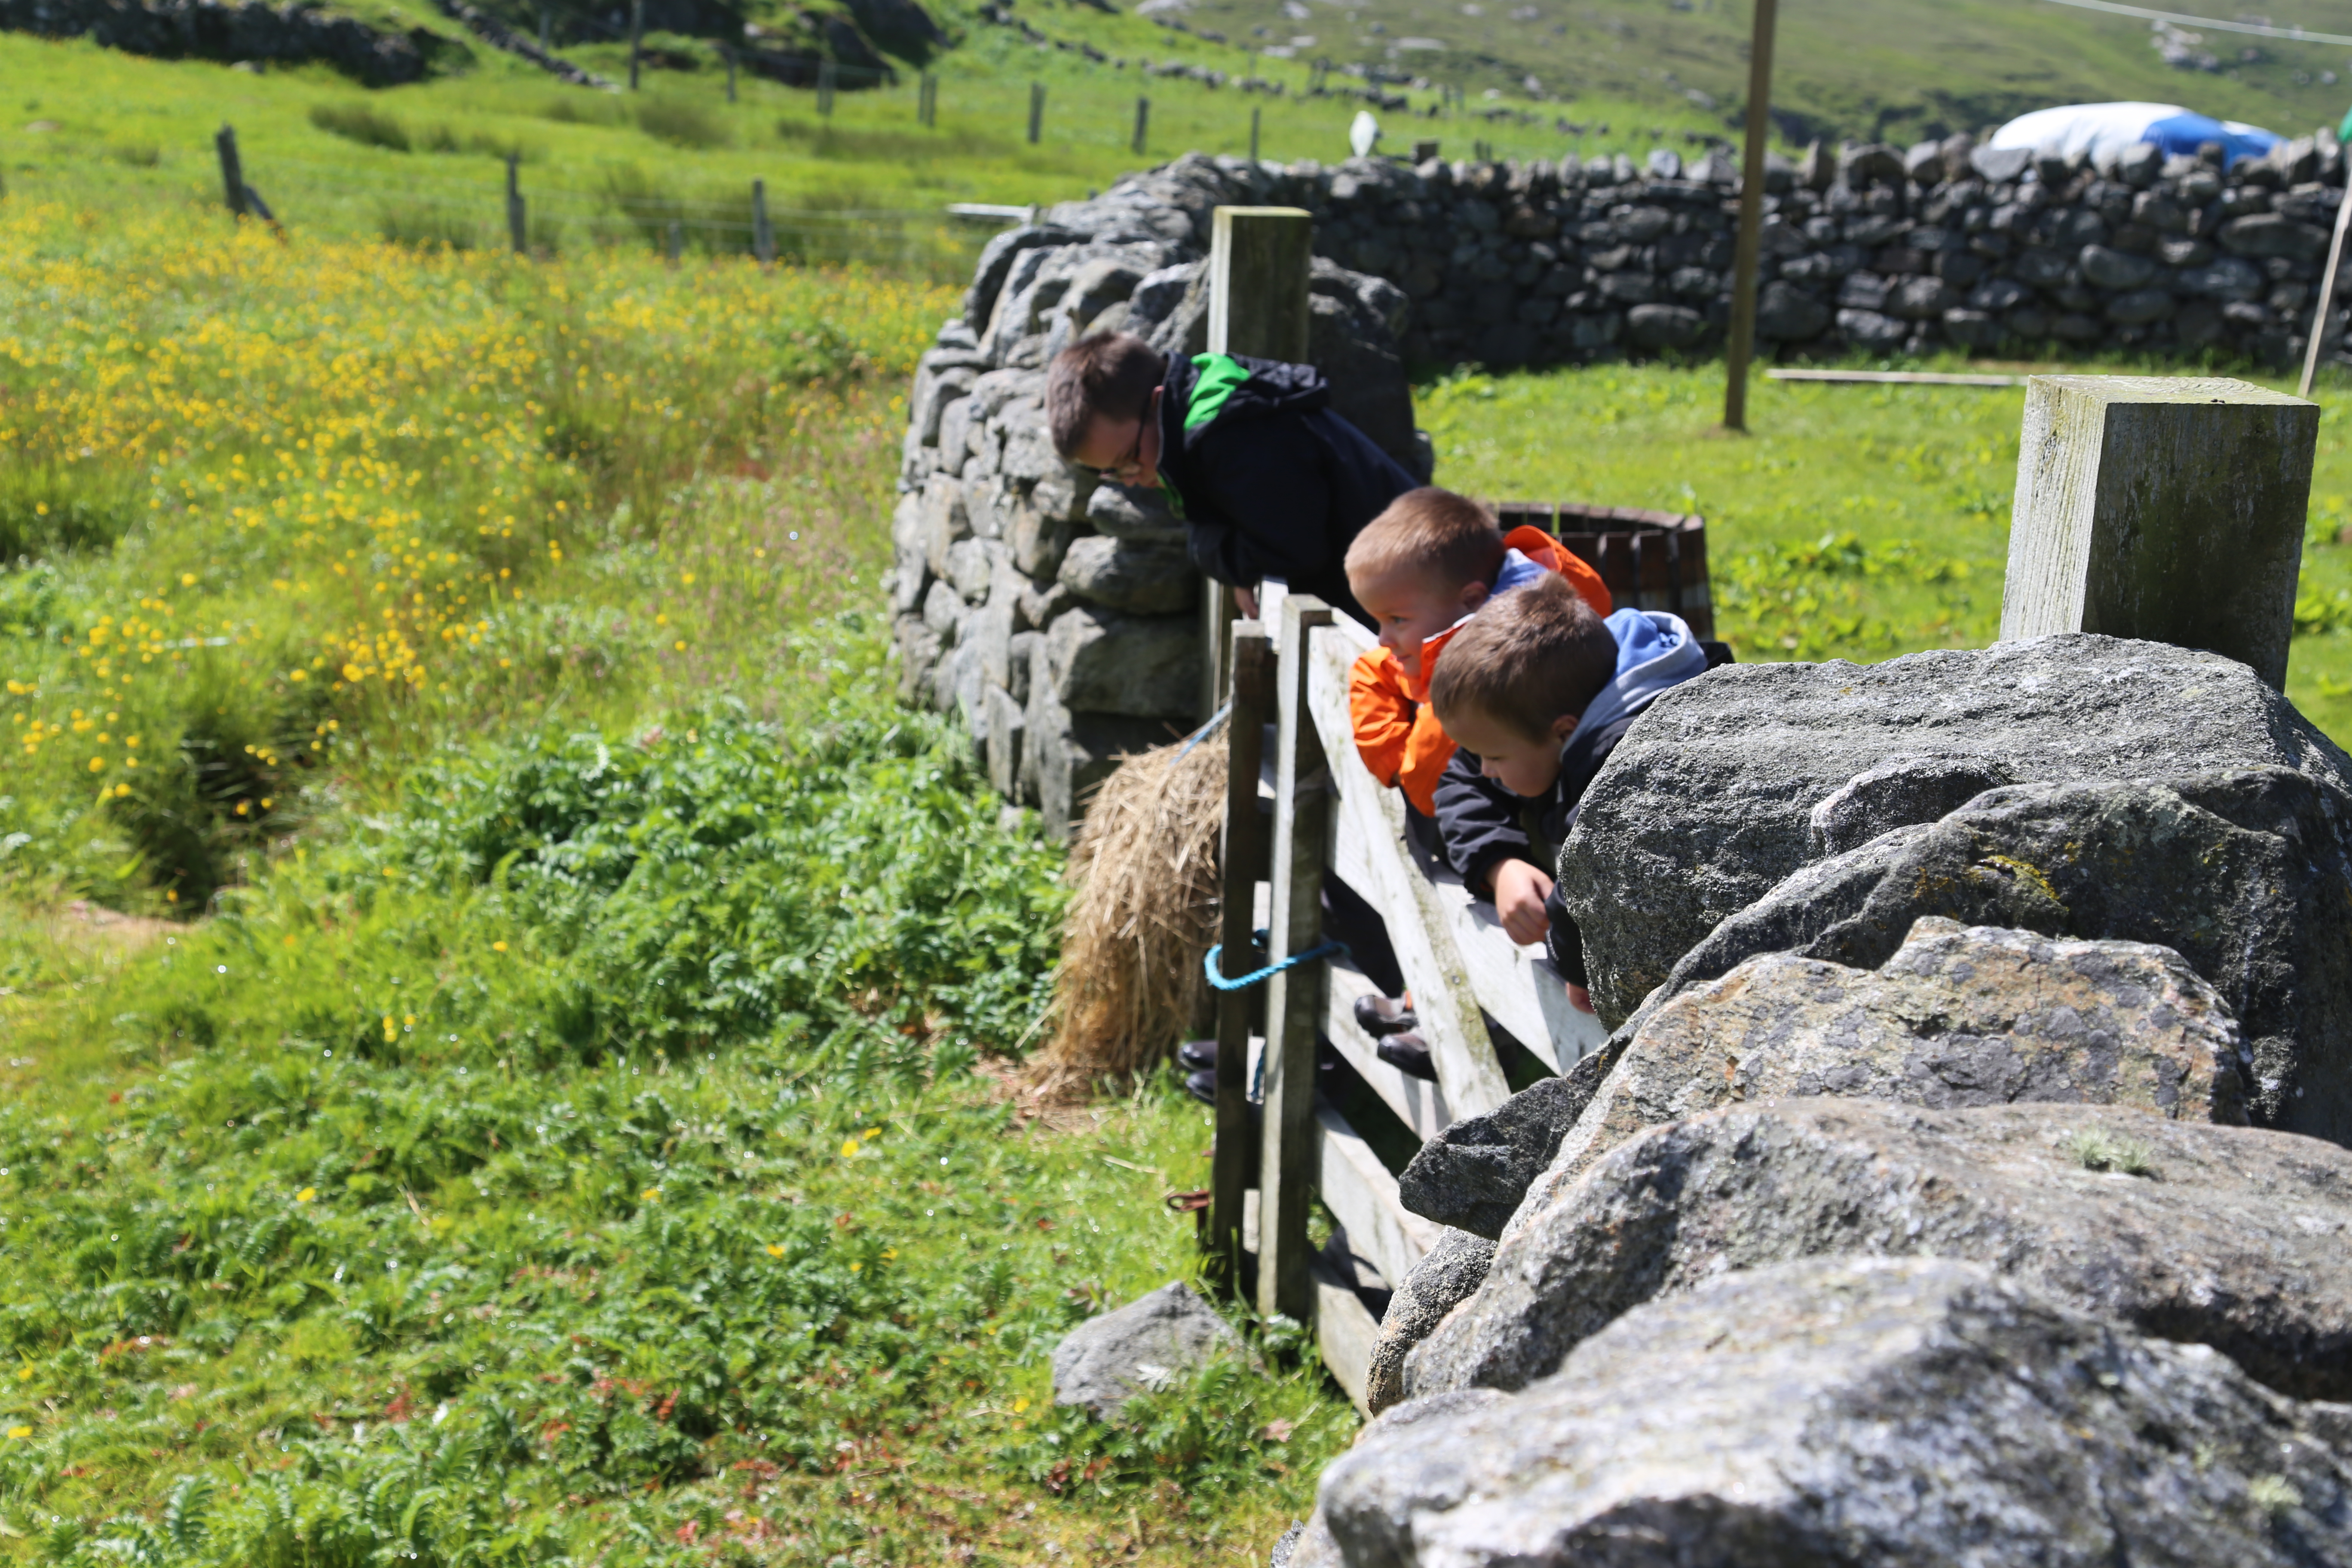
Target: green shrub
point(361, 122)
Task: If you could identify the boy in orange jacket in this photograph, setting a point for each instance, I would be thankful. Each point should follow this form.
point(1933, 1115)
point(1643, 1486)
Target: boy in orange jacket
point(1419, 569)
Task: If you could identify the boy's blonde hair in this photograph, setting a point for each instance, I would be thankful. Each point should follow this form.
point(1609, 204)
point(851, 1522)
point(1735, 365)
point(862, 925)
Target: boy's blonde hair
point(1434, 532)
point(1528, 658)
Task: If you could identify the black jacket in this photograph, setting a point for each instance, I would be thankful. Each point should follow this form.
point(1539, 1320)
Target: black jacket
point(1274, 484)
point(1483, 825)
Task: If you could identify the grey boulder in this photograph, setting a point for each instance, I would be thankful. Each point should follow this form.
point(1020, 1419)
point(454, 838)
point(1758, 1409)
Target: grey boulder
point(1139, 578)
point(1472, 1175)
point(2246, 874)
point(1924, 1412)
point(1447, 1274)
point(1139, 1349)
point(2227, 1236)
point(1976, 1017)
point(1708, 802)
point(1100, 661)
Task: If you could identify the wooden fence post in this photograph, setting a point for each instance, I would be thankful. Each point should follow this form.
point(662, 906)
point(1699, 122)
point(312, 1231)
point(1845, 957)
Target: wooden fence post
point(1142, 121)
point(1294, 1003)
point(2168, 509)
point(1749, 243)
point(1255, 112)
point(927, 101)
point(517, 229)
point(1037, 112)
point(636, 38)
point(1241, 866)
point(827, 75)
point(675, 241)
point(2325, 309)
point(729, 52)
point(763, 238)
point(1260, 260)
point(232, 169)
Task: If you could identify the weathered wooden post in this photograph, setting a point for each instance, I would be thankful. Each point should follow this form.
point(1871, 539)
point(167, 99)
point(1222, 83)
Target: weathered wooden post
point(1254, 113)
point(2160, 508)
point(827, 75)
point(927, 101)
point(2326, 305)
point(1142, 121)
point(1260, 259)
point(518, 230)
point(763, 238)
point(1751, 221)
point(728, 50)
point(1037, 112)
point(1241, 866)
point(636, 38)
point(546, 29)
point(1295, 997)
point(675, 241)
point(232, 169)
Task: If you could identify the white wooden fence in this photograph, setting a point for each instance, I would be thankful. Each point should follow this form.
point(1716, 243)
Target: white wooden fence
point(1328, 817)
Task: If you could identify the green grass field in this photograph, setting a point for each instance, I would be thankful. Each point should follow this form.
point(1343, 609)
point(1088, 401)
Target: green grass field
point(502, 1020)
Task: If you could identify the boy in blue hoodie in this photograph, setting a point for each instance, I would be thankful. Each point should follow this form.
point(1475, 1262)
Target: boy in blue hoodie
point(1536, 691)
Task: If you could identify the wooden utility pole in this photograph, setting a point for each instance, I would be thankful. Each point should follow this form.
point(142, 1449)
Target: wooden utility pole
point(2166, 508)
point(1742, 347)
point(636, 38)
point(1260, 259)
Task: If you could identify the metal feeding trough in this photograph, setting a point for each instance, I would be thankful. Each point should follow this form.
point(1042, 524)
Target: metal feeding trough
point(1650, 560)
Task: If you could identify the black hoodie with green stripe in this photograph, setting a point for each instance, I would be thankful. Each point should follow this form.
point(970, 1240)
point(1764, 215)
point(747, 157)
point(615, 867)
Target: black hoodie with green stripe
point(1271, 481)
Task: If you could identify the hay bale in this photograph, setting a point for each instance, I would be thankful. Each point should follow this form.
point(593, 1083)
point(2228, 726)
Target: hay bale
point(1144, 913)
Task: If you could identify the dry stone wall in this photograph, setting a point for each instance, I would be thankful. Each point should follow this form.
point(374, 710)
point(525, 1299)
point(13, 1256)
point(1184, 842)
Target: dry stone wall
point(1060, 618)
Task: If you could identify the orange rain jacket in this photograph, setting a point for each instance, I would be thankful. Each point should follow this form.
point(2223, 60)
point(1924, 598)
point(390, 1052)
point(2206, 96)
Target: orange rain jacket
point(1397, 732)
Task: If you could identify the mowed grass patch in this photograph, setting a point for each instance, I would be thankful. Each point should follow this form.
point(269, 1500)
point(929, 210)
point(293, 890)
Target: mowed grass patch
point(1853, 521)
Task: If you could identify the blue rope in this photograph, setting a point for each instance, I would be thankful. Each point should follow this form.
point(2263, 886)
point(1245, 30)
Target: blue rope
point(1204, 732)
point(1209, 964)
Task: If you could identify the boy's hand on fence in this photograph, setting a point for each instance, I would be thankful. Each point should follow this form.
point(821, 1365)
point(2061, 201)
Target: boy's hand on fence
point(1578, 996)
point(1520, 891)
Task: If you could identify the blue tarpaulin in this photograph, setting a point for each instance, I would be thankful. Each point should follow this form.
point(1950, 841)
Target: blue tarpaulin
point(2100, 132)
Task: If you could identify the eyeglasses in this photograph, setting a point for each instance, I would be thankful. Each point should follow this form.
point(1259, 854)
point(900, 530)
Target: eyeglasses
point(1133, 456)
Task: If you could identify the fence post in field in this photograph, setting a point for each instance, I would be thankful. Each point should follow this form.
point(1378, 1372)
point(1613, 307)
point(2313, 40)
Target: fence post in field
point(826, 76)
point(1142, 122)
point(763, 238)
point(636, 38)
point(1241, 866)
point(546, 27)
point(2165, 508)
point(927, 101)
point(232, 169)
point(729, 52)
point(1037, 112)
point(1255, 112)
point(518, 230)
point(677, 240)
point(1259, 259)
point(1749, 243)
point(1295, 997)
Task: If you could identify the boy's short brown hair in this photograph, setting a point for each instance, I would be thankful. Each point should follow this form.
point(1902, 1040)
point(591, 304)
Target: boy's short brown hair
point(1432, 532)
point(1526, 658)
point(1113, 373)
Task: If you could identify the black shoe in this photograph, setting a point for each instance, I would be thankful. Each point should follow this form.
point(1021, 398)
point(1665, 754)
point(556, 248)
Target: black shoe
point(1381, 1015)
point(1198, 1055)
point(1409, 1054)
point(1202, 1085)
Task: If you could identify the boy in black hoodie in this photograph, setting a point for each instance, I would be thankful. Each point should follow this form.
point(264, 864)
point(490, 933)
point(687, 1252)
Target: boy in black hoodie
point(1270, 480)
point(1536, 691)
